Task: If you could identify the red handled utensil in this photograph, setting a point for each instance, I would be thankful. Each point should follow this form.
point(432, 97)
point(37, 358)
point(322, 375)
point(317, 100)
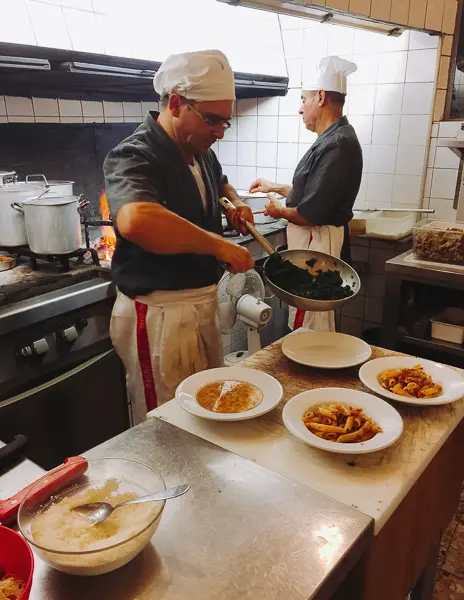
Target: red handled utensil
point(52, 482)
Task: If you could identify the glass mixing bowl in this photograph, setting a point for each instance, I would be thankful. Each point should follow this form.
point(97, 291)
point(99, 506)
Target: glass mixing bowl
point(131, 476)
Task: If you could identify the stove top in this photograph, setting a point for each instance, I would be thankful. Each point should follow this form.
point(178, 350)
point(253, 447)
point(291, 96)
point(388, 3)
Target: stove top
point(23, 281)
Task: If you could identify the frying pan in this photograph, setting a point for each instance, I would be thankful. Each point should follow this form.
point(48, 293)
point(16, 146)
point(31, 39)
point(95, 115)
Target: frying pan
point(323, 262)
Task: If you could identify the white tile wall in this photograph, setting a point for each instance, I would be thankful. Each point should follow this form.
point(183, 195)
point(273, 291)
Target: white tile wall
point(382, 159)
point(45, 107)
point(410, 160)
point(418, 98)
point(247, 129)
point(247, 154)
point(386, 129)
point(56, 110)
point(422, 65)
point(267, 129)
point(49, 25)
point(407, 190)
point(388, 99)
point(266, 154)
point(389, 102)
point(444, 183)
point(414, 130)
point(445, 159)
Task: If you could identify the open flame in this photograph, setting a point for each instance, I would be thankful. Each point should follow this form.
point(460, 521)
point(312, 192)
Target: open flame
point(107, 243)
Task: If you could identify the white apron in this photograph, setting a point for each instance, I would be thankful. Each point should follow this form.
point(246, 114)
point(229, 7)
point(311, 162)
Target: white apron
point(162, 338)
point(328, 239)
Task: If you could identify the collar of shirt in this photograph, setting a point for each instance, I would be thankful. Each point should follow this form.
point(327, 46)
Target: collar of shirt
point(338, 123)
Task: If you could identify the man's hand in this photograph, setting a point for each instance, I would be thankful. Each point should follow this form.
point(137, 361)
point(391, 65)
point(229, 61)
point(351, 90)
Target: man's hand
point(237, 258)
point(273, 208)
point(262, 185)
point(237, 216)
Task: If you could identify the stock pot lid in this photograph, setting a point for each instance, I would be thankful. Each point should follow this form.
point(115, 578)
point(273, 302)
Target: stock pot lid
point(52, 200)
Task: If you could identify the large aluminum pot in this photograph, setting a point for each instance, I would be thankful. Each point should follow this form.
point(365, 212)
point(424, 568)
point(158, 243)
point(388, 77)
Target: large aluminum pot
point(53, 224)
point(12, 226)
point(56, 188)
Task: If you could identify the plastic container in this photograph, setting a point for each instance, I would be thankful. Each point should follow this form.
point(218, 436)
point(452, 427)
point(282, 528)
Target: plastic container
point(16, 558)
point(384, 224)
point(439, 241)
point(132, 476)
point(449, 325)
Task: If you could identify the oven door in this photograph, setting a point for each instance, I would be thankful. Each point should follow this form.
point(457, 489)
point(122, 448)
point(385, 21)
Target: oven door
point(71, 413)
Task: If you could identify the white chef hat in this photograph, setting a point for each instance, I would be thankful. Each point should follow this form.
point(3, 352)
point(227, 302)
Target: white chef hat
point(203, 76)
point(330, 75)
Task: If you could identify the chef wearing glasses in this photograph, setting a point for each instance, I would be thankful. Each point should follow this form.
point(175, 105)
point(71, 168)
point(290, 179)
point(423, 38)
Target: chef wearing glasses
point(163, 184)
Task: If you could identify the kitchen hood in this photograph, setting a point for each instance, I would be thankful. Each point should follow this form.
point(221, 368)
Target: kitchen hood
point(300, 8)
point(48, 72)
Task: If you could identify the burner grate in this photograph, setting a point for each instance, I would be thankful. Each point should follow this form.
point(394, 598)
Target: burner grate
point(63, 259)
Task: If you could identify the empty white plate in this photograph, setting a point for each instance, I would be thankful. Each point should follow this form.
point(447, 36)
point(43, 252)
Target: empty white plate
point(381, 412)
point(451, 381)
point(187, 391)
point(326, 350)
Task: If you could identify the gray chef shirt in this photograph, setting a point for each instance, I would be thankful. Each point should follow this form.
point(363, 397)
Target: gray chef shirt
point(327, 179)
point(149, 167)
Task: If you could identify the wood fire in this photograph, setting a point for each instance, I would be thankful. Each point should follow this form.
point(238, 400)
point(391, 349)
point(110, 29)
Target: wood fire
point(107, 243)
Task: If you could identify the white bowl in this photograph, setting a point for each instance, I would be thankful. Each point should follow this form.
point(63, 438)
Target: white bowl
point(381, 412)
point(187, 391)
point(451, 381)
point(326, 350)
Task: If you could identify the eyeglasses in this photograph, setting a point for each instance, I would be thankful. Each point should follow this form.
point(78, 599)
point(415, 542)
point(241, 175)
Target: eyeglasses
point(219, 124)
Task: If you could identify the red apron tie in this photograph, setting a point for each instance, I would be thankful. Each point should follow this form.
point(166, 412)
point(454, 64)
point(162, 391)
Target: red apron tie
point(143, 351)
point(300, 314)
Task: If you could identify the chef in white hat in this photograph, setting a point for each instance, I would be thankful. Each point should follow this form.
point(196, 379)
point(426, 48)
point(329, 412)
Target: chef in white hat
point(163, 184)
point(326, 181)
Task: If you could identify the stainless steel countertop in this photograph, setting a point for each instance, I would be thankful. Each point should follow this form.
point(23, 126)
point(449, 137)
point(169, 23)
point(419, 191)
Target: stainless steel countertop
point(442, 275)
point(241, 532)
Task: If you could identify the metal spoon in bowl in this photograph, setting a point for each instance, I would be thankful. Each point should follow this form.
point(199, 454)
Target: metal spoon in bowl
point(99, 511)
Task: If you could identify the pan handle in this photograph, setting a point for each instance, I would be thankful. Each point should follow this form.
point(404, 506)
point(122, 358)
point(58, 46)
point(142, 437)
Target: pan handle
point(82, 203)
point(17, 206)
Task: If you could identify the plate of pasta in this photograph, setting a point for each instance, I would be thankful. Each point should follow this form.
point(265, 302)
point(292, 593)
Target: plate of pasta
point(342, 420)
point(412, 380)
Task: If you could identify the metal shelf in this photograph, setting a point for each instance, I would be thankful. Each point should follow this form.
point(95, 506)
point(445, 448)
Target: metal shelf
point(437, 345)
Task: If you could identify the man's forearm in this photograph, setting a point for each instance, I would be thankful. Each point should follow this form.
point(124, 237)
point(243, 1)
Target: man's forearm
point(282, 189)
point(156, 229)
point(231, 194)
point(293, 216)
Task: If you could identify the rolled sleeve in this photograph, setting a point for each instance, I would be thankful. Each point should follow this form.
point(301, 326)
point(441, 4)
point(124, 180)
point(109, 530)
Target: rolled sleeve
point(129, 177)
point(324, 188)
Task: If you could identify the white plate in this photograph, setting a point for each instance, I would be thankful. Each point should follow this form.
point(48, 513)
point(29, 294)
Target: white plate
point(451, 381)
point(381, 412)
point(326, 350)
point(187, 390)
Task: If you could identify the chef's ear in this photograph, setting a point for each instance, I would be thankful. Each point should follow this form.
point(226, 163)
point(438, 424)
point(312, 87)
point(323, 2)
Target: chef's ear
point(174, 104)
point(321, 98)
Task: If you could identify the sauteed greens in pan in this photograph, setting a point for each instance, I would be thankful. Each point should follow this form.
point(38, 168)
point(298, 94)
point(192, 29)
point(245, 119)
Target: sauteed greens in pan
point(325, 285)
